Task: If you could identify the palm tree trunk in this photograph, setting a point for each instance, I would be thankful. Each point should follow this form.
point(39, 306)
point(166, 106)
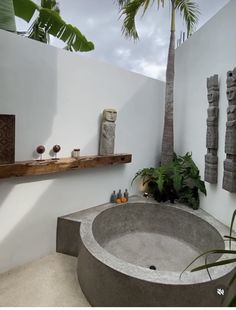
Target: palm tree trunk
point(168, 132)
point(7, 16)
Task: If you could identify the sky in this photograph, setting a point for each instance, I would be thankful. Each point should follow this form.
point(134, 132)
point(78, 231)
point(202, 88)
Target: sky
point(99, 21)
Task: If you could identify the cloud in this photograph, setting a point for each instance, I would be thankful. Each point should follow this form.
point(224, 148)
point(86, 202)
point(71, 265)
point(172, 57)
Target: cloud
point(146, 31)
point(151, 69)
point(91, 22)
point(123, 53)
point(99, 21)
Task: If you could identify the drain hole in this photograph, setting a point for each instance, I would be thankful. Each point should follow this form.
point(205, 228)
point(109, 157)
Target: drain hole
point(152, 267)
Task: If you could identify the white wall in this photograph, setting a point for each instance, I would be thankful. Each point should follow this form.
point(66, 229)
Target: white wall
point(211, 50)
point(58, 97)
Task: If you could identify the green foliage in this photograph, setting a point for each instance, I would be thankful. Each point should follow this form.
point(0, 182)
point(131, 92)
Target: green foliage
point(188, 9)
point(7, 16)
point(190, 12)
point(25, 9)
point(206, 266)
point(214, 264)
point(48, 22)
point(231, 228)
point(177, 180)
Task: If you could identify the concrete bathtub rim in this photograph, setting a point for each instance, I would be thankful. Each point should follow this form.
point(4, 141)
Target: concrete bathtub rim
point(142, 273)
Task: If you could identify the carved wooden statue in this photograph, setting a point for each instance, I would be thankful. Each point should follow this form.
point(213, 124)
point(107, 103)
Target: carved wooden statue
point(107, 135)
point(211, 159)
point(229, 180)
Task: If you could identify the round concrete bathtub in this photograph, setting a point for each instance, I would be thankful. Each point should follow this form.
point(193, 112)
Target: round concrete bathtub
point(133, 254)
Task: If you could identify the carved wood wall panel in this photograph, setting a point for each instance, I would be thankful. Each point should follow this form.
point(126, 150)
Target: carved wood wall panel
point(229, 179)
point(7, 139)
point(211, 158)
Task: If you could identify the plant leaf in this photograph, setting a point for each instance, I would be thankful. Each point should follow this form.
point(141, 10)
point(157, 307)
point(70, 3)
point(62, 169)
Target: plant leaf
point(205, 253)
point(51, 22)
point(190, 11)
point(161, 179)
point(231, 227)
point(230, 237)
point(219, 263)
point(25, 9)
point(7, 16)
point(146, 174)
point(48, 4)
point(233, 279)
point(177, 179)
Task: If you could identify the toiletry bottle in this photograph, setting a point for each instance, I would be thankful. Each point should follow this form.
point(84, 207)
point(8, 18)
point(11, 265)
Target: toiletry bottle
point(119, 195)
point(113, 197)
point(126, 194)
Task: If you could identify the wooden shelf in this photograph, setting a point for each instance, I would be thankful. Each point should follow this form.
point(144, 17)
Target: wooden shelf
point(36, 167)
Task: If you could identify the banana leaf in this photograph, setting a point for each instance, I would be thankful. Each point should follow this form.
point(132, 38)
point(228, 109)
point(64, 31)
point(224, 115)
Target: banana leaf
point(49, 21)
point(7, 16)
point(25, 9)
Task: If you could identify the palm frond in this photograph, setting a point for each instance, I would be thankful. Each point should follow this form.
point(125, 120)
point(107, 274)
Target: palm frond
point(121, 3)
point(160, 2)
point(190, 12)
point(130, 9)
point(7, 16)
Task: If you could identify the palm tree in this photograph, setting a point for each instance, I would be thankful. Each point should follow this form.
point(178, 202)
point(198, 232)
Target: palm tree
point(47, 22)
point(190, 11)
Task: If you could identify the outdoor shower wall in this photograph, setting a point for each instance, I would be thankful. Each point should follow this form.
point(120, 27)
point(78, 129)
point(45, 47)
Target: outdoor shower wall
point(58, 97)
point(211, 50)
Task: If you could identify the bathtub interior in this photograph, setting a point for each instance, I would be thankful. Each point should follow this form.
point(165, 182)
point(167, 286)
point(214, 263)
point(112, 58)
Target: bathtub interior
point(158, 237)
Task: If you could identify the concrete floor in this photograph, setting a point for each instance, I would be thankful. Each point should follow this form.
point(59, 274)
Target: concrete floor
point(47, 282)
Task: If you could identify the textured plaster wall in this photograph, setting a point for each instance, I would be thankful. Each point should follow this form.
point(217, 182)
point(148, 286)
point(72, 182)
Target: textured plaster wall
point(211, 50)
point(58, 98)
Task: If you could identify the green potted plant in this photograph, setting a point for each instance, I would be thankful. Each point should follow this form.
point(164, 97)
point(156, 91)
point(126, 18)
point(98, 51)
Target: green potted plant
point(178, 180)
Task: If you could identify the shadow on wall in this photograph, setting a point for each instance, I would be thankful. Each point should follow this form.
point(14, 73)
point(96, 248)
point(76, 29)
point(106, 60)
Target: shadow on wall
point(28, 224)
point(29, 207)
point(143, 135)
point(132, 133)
point(28, 229)
point(33, 101)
